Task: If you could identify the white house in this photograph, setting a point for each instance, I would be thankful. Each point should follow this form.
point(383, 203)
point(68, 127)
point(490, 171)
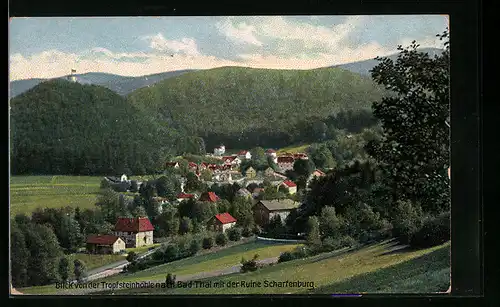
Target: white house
point(244, 155)
point(222, 222)
point(135, 232)
point(290, 186)
point(123, 178)
point(219, 151)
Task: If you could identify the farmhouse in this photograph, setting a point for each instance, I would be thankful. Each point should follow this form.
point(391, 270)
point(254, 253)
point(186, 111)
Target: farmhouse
point(192, 166)
point(244, 155)
point(209, 196)
point(271, 152)
point(289, 186)
point(285, 163)
point(250, 172)
point(105, 244)
point(266, 210)
point(184, 196)
point(135, 232)
point(222, 222)
point(231, 160)
point(318, 173)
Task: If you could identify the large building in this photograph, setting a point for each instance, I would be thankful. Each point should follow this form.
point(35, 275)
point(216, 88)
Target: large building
point(285, 163)
point(266, 210)
point(135, 232)
point(289, 186)
point(219, 151)
point(105, 244)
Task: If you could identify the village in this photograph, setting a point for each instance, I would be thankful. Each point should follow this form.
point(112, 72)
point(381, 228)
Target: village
point(139, 231)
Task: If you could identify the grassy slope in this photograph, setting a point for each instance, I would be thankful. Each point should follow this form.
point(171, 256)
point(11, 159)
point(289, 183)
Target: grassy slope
point(371, 269)
point(30, 192)
point(208, 262)
point(293, 149)
point(235, 99)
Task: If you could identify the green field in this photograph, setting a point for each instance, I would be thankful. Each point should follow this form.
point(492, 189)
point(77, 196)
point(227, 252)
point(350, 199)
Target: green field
point(208, 262)
point(142, 249)
point(30, 192)
point(293, 149)
point(96, 261)
point(370, 269)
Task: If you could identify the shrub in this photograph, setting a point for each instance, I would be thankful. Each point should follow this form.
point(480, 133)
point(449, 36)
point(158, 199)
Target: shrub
point(407, 220)
point(234, 234)
point(208, 242)
point(247, 232)
point(249, 265)
point(131, 257)
point(434, 231)
point(194, 246)
point(171, 253)
point(257, 230)
point(157, 255)
point(170, 280)
point(221, 239)
point(286, 256)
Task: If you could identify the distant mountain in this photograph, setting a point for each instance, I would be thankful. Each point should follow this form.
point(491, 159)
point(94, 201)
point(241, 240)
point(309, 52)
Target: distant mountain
point(119, 84)
point(364, 67)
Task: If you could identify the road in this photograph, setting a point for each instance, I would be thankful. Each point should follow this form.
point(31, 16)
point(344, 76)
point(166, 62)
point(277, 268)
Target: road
point(184, 278)
point(112, 268)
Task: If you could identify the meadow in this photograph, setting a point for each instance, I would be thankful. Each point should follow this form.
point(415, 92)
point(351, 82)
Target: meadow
point(30, 192)
point(380, 268)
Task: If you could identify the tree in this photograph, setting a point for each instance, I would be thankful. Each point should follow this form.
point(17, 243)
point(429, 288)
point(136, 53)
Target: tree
point(192, 182)
point(303, 167)
point(221, 239)
point(169, 221)
point(64, 269)
point(171, 253)
point(131, 257)
point(109, 203)
point(322, 156)
point(329, 223)
point(80, 270)
point(168, 186)
point(241, 210)
point(208, 242)
point(19, 255)
point(234, 233)
point(186, 225)
point(313, 234)
point(139, 211)
point(414, 151)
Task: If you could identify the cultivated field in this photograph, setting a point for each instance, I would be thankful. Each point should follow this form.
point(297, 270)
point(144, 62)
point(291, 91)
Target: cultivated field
point(30, 192)
point(293, 149)
point(382, 268)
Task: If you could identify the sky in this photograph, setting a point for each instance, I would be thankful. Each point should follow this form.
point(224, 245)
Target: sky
point(48, 47)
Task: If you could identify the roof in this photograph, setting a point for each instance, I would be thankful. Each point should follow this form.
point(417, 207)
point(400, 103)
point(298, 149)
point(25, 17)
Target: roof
point(184, 195)
point(138, 224)
point(319, 172)
point(209, 196)
point(102, 239)
point(172, 163)
point(285, 160)
point(289, 183)
point(243, 152)
point(230, 158)
point(243, 191)
point(225, 218)
point(270, 150)
point(192, 164)
point(279, 204)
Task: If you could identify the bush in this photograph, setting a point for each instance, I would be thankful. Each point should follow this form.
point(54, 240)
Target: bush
point(286, 256)
point(249, 265)
point(171, 253)
point(407, 220)
point(247, 232)
point(221, 239)
point(194, 246)
point(157, 255)
point(234, 234)
point(257, 230)
point(131, 257)
point(208, 242)
point(434, 231)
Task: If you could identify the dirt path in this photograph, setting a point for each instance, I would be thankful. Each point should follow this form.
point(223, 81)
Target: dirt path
point(184, 278)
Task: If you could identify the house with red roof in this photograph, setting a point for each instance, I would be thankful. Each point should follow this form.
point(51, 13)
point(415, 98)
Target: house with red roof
point(221, 222)
point(271, 152)
point(204, 165)
point(300, 155)
point(289, 186)
point(244, 155)
point(318, 173)
point(184, 196)
point(285, 163)
point(209, 196)
point(231, 160)
point(135, 232)
point(192, 166)
point(105, 244)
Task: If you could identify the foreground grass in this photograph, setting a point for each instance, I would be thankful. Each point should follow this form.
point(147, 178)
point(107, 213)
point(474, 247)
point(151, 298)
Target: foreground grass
point(208, 262)
point(142, 249)
point(370, 269)
point(96, 261)
point(28, 193)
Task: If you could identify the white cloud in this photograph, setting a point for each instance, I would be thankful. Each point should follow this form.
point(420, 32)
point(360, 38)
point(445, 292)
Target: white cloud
point(54, 63)
point(185, 46)
point(240, 33)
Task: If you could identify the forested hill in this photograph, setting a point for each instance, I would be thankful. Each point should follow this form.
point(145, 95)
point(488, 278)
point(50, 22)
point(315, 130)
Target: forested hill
point(235, 103)
point(60, 127)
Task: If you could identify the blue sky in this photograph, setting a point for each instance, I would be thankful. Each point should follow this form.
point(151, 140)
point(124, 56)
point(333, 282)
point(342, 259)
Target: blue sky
point(133, 46)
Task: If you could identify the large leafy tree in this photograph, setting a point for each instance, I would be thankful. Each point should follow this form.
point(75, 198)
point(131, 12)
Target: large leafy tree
point(414, 150)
